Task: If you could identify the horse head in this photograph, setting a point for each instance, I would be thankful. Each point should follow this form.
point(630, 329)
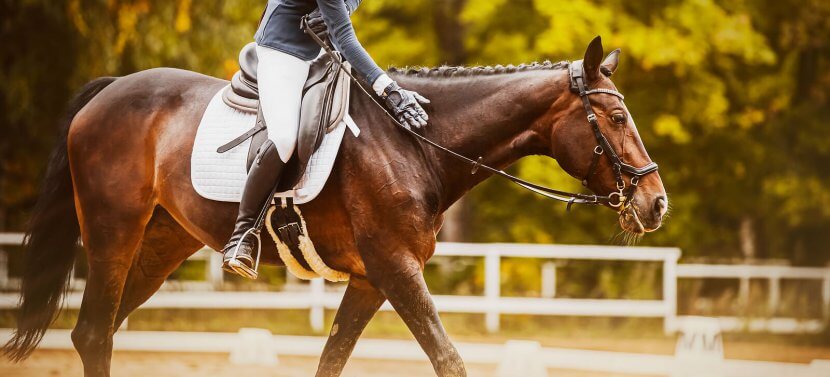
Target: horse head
point(606, 168)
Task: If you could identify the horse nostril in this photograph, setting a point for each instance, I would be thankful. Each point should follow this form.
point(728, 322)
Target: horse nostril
point(660, 206)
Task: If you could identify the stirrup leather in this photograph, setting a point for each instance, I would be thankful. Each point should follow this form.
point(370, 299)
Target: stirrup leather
point(239, 267)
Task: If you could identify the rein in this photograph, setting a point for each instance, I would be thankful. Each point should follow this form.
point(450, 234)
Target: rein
point(618, 199)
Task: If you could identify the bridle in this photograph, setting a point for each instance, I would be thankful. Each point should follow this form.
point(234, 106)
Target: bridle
point(623, 195)
point(618, 199)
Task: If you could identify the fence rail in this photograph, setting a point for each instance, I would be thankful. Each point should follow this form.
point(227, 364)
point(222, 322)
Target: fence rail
point(773, 275)
point(492, 303)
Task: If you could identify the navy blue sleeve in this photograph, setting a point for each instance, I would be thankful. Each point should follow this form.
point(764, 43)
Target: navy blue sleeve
point(336, 16)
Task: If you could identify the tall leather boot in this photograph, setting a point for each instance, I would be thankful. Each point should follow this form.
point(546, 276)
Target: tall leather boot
point(262, 178)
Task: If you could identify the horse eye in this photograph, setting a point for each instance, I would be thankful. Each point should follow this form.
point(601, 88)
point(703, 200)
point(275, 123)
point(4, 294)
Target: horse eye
point(618, 118)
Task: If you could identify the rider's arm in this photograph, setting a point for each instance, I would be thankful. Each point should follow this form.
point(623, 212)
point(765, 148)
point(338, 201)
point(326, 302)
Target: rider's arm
point(404, 104)
point(336, 16)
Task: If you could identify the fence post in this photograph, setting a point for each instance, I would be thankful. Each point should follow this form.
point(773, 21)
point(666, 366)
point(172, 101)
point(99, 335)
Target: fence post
point(4, 269)
point(522, 358)
point(292, 283)
point(492, 289)
point(774, 294)
point(670, 293)
point(318, 311)
point(743, 291)
point(825, 295)
point(214, 270)
point(549, 279)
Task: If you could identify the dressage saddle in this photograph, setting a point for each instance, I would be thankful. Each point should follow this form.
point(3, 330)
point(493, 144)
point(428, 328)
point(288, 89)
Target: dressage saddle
point(324, 104)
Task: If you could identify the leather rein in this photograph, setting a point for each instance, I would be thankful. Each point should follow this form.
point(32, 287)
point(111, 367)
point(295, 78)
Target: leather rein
point(618, 199)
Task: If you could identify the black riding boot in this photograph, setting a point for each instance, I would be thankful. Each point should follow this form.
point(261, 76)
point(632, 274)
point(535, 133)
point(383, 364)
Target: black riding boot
point(262, 178)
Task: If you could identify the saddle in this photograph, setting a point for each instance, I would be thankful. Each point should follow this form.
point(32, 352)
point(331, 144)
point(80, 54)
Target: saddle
point(324, 104)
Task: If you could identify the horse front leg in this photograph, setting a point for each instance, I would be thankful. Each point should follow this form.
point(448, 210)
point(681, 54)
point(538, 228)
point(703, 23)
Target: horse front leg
point(359, 305)
point(399, 276)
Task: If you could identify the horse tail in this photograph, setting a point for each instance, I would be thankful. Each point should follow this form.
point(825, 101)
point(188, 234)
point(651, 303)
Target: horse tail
point(50, 240)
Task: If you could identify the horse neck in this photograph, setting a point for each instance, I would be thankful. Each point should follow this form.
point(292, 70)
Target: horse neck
point(491, 117)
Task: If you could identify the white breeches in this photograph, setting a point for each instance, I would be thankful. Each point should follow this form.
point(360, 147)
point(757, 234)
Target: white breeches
point(280, 78)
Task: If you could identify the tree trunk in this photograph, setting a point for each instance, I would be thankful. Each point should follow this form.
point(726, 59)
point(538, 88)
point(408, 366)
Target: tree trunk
point(747, 236)
point(450, 37)
point(446, 16)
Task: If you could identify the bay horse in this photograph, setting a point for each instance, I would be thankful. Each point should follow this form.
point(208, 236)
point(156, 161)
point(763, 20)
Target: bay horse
point(120, 179)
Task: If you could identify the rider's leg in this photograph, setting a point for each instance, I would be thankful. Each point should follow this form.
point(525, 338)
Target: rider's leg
point(280, 77)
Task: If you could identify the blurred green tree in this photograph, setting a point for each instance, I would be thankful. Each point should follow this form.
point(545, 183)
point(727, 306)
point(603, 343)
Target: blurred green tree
point(716, 89)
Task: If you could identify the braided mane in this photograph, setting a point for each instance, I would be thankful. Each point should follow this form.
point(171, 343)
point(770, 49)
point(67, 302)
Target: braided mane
point(458, 71)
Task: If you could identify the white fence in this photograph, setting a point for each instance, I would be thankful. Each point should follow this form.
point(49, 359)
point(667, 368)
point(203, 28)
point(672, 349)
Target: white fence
point(492, 304)
point(773, 275)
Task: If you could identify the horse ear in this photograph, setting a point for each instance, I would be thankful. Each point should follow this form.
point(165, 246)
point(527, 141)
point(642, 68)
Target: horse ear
point(593, 59)
point(609, 65)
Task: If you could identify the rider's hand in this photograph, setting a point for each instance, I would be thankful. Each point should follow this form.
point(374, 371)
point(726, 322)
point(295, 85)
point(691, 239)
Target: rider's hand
point(406, 106)
point(317, 25)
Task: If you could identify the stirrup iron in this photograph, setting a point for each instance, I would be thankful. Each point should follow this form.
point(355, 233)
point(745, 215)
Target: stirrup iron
point(239, 267)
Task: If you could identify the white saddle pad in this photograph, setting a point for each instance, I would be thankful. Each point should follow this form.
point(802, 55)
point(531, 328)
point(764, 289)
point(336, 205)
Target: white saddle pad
point(221, 176)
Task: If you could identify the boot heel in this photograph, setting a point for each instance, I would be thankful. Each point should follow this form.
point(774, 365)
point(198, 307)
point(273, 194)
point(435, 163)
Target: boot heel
point(242, 270)
point(240, 267)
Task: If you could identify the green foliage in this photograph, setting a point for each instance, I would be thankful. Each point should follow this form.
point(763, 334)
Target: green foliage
point(717, 88)
point(729, 97)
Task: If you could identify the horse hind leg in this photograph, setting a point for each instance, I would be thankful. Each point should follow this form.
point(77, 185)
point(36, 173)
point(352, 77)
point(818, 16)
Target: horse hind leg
point(111, 241)
point(165, 246)
point(112, 219)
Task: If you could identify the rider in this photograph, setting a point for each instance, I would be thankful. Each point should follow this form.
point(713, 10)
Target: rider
point(285, 53)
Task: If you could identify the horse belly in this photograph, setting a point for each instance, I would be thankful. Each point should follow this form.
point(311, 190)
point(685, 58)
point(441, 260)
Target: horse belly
point(330, 229)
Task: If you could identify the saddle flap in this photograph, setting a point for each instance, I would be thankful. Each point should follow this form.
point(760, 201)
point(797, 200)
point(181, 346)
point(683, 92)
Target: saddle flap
point(324, 104)
point(340, 102)
point(318, 72)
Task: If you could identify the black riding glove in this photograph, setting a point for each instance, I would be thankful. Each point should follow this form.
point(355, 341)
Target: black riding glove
point(317, 25)
point(406, 106)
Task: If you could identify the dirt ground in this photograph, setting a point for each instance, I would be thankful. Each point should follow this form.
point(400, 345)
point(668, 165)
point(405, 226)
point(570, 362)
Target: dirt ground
point(47, 363)
point(162, 364)
point(157, 364)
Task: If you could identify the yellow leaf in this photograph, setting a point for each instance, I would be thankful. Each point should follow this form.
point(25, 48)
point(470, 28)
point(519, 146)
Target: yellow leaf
point(77, 17)
point(183, 16)
point(670, 126)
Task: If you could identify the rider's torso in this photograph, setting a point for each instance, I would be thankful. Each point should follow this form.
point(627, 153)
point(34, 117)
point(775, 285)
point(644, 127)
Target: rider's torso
point(280, 27)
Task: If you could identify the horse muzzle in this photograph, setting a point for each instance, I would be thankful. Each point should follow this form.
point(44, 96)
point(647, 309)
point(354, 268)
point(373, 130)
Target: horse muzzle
point(641, 215)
